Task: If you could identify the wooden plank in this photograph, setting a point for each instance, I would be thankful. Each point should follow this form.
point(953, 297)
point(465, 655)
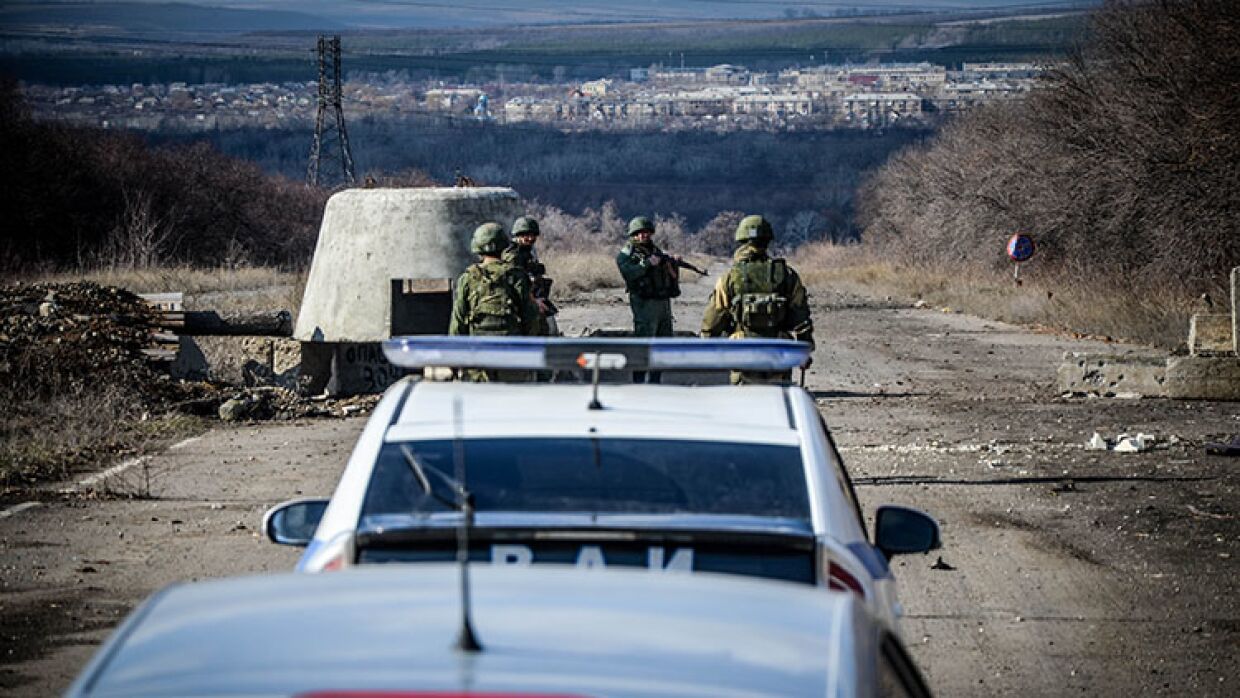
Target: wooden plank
point(173, 300)
point(410, 286)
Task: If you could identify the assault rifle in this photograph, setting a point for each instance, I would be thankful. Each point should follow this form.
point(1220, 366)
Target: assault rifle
point(686, 265)
point(541, 286)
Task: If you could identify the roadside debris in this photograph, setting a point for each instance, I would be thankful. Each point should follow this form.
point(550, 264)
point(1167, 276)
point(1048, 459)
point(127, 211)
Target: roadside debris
point(940, 565)
point(1228, 448)
point(1124, 443)
point(81, 338)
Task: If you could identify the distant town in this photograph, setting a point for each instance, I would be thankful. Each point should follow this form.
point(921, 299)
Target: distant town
point(719, 98)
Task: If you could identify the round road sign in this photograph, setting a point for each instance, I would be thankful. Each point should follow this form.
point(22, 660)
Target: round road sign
point(1020, 247)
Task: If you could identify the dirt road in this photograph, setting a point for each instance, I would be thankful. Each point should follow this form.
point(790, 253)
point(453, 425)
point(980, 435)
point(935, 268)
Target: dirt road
point(1063, 570)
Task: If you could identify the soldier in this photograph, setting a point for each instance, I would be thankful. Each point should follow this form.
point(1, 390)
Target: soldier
point(521, 254)
point(651, 279)
point(492, 296)
point(758, 297)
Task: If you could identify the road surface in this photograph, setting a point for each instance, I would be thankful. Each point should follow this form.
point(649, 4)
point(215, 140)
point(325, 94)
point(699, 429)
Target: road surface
point(1063, 570)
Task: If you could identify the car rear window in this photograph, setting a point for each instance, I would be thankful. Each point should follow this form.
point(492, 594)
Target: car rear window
point(639, 476)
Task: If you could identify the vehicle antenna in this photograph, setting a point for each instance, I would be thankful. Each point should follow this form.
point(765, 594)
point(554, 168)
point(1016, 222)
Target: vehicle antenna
point(594, 380)
point(467, 641)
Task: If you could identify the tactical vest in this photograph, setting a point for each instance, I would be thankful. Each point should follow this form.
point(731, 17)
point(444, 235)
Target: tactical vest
point(494, 306)
point(760, 303)
point(658, 282)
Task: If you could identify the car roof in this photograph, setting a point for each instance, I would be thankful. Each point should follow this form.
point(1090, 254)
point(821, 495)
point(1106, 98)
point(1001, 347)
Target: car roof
point(760, 414)
point(558, 630)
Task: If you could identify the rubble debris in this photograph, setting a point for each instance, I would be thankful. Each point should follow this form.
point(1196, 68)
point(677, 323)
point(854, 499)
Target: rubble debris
point(81, 339)
point(1140, 443)
point(1124, 443)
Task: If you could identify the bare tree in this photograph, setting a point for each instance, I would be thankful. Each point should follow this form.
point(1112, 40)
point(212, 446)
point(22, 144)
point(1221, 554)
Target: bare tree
point(140, 238)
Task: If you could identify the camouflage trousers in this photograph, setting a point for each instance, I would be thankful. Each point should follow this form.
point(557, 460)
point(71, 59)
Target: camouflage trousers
point(652, 317)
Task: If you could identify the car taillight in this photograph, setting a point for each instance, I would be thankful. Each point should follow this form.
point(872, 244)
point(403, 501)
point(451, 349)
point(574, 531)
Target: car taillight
point(840, 579)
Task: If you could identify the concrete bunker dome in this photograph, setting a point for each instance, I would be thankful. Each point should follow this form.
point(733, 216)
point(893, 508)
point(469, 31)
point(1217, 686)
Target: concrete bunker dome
point(384, 266)
point(370, 238)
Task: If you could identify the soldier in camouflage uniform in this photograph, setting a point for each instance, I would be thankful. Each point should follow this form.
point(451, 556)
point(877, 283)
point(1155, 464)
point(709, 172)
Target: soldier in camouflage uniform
point(651, 280)
point(493, 298)
point(758, 297)
point(520, 254)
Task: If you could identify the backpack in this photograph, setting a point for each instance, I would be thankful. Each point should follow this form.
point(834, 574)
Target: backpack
point(759, 306)
point(493, 305)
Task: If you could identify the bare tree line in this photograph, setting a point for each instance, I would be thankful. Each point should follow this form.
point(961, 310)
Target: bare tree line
point(1125, 166)
point(84, 198)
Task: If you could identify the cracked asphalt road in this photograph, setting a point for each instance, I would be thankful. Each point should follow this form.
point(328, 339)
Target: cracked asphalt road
point(1063, 570)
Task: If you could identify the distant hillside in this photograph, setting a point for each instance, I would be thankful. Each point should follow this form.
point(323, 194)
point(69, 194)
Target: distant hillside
point(410, 14)
point(152, 19)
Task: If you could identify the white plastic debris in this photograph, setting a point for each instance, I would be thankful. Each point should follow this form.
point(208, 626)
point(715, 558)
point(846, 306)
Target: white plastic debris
point(1126, 443)
point(1096, 443)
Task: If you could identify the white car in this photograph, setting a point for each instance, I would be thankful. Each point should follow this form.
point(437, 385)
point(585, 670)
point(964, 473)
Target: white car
point(536, 633)
point(674, 478)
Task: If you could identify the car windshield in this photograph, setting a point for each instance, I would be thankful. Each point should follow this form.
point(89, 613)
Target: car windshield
point(631, 476)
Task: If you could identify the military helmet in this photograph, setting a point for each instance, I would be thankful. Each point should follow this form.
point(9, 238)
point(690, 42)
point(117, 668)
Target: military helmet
point(489, 239)
point(639, 224)
point(754, 228)
point(525, 225)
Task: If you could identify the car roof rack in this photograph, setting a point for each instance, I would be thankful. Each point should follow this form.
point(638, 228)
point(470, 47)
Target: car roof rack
point(608, 354)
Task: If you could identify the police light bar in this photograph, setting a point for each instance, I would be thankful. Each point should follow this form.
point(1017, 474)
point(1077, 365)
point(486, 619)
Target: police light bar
point(564, 353)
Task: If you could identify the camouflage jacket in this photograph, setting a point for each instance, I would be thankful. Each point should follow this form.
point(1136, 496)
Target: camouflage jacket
point(643, 279)
point(524, 258)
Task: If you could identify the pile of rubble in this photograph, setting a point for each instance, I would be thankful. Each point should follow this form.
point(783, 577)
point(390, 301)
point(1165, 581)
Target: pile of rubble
point(79, 339)
point(58, 339)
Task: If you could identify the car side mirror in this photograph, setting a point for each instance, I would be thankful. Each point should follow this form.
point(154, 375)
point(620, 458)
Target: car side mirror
point(293, 523)
point(902, 530)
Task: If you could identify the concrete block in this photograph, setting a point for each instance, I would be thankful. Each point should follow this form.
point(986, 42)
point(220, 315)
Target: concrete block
point(1112, 374)
point(1203, 377)
point(1210, 334)
point(371, 236)
point(362, 368)
point(1235, 310)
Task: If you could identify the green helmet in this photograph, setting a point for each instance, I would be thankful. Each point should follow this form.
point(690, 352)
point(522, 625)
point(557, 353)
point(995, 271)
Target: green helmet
point(755, 229)
point(489, 239)
point(639, 224)
point(524, 225)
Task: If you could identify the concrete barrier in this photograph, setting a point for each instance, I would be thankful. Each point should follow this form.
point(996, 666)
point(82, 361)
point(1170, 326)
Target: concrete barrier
point(1203, 377)
point(1235, 310)
point(1112, 374)
point(1210, 334)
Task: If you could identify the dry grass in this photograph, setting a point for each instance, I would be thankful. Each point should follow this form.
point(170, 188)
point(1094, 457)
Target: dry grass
point(1154, 316)
point(221, 289)
point(581, 272)
point(55, 438)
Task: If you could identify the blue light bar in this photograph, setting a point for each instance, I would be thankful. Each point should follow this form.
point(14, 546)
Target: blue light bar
point(564, 353)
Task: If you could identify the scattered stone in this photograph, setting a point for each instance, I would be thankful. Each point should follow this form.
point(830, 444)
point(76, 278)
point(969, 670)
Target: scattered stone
point(1096, 443)
point(1125, 443)
point(234, 410)
point(940, 565)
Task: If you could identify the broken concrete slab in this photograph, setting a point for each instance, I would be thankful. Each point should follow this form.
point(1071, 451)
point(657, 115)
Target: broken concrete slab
point(1112, 374)
point(1210, 334)
point(1235, 310)
point(1203, 377)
